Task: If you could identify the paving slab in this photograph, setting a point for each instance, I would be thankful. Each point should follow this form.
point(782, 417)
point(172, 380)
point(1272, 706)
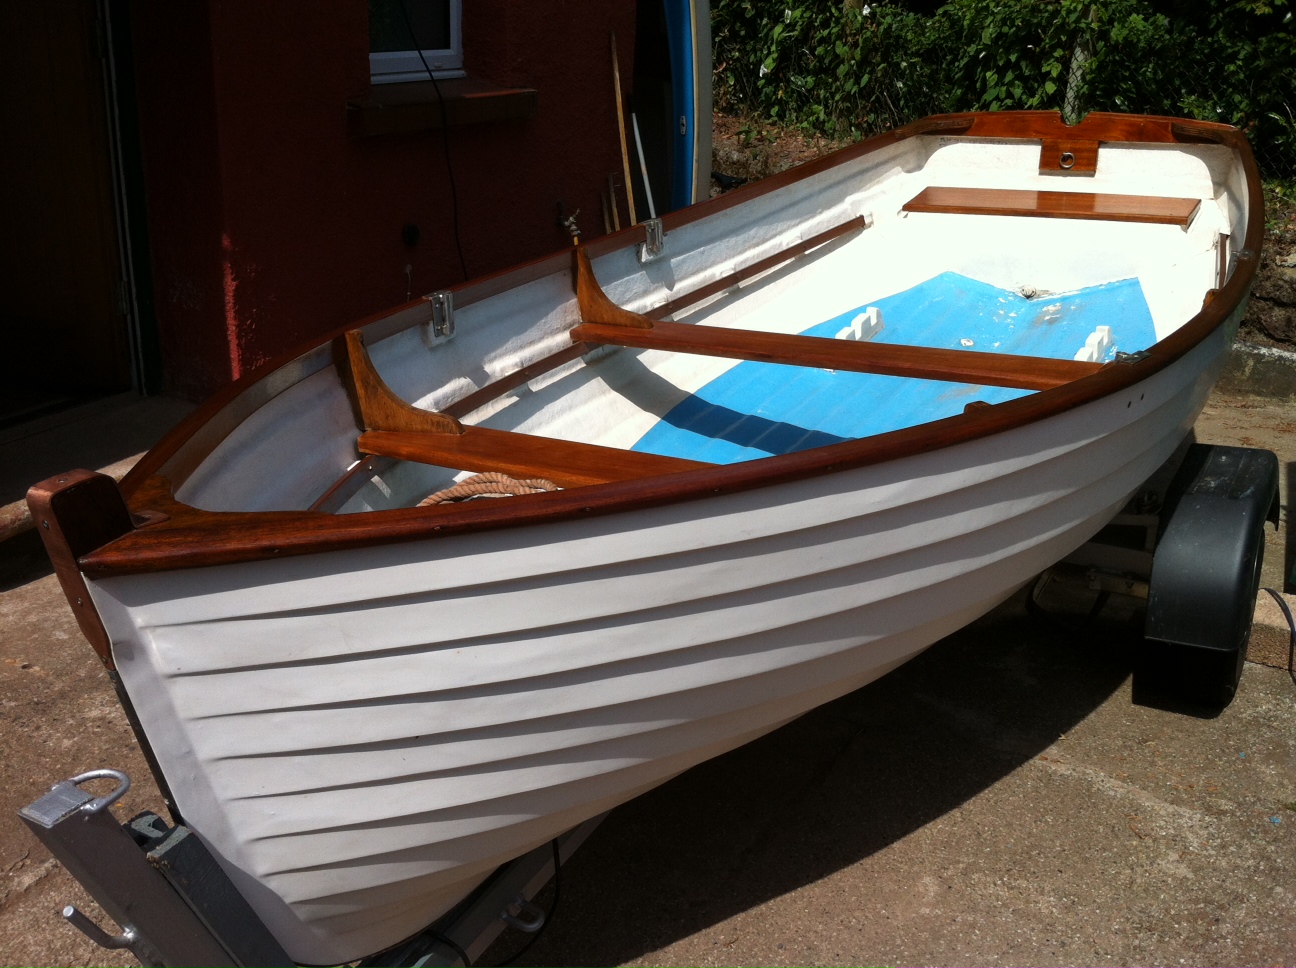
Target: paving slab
point(1000, 800)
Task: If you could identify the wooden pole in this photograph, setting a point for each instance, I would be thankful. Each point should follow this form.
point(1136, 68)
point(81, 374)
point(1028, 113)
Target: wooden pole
point(625, 147)
point(611, 192)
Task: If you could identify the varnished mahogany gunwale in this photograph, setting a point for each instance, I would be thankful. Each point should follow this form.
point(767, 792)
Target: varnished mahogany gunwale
point(210, 538)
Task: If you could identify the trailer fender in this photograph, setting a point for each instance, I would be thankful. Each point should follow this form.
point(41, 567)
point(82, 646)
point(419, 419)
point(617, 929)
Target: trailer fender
point(1206, 570)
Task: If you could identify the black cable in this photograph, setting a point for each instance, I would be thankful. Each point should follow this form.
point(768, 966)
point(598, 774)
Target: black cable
point(451, 943)
point(1291, 627)
point(553, 908)
point(445, 140)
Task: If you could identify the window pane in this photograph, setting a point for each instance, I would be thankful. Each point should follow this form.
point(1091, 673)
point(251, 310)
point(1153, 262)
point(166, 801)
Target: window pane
point(388, 29)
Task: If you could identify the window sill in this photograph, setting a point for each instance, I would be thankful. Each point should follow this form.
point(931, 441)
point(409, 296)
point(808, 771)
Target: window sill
point(415, 106)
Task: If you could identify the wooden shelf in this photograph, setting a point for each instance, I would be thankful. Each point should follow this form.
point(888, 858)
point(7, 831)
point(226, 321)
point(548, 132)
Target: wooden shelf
point(1081, 205)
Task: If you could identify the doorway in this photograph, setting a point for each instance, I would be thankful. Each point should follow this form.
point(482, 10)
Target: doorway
point(66, 306)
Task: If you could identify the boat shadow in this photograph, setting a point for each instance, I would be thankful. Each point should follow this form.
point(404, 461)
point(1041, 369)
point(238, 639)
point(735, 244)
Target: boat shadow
point(831, 788)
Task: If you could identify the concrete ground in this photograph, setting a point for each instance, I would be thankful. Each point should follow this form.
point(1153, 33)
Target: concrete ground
point(1002, 799)
point(105, 435)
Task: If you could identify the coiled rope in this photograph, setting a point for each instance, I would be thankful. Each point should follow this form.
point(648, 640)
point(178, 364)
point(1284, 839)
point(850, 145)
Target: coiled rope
point(490, 484)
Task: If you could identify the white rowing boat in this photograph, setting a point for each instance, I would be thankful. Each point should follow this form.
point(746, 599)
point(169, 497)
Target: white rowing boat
point(839, 415)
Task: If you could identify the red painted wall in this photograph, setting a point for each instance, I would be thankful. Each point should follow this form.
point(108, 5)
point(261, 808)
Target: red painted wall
point(270, 223)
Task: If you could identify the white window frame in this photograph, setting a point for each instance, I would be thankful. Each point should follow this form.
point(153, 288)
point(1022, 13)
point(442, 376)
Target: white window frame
point(396, 66)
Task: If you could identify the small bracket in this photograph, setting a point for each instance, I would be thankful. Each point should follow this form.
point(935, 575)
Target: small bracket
point(523, 915)
point(654, 242)
point(1131, 358)
point(442, 325)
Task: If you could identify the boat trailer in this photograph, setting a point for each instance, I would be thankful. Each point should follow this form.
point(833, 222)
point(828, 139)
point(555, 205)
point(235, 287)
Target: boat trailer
point(176, 906)
point(1190, 542)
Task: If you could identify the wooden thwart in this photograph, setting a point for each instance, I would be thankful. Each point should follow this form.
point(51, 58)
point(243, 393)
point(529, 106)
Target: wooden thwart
point(395, 429)
point(919, 362)
point(1079, 205)
point(566, 463)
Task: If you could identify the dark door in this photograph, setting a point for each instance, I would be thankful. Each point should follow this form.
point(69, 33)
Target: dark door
point(61, 305)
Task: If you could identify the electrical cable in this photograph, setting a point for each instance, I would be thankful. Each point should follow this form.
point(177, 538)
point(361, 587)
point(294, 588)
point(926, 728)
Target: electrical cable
point(445, 140)
point(452, 945)
point(1291, 628)
point(553, 909)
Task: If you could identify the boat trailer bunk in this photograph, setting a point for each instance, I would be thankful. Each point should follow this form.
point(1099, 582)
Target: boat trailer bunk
point(1190, 542)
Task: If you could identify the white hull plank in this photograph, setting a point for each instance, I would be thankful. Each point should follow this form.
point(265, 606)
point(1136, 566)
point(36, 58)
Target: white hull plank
point(411, 732)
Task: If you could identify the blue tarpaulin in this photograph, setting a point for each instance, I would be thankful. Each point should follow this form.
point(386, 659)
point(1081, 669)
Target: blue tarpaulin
point(759, 409)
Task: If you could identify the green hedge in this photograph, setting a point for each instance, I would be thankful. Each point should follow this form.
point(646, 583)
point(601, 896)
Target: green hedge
point(853, 67)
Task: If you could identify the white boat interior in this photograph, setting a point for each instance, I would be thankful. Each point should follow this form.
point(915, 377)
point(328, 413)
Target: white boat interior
point(996, 283)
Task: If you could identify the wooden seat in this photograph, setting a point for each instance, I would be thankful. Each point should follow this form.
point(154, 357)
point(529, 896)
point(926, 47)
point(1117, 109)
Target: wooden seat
point(395, 429)
point(607, 323)
point(888, 359)
point(1039, 204)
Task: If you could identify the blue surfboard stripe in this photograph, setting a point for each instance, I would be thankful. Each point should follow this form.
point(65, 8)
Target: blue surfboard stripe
point(679, 39)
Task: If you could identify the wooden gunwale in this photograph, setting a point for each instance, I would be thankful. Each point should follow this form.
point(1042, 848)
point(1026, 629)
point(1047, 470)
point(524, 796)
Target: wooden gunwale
point(202, 538)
